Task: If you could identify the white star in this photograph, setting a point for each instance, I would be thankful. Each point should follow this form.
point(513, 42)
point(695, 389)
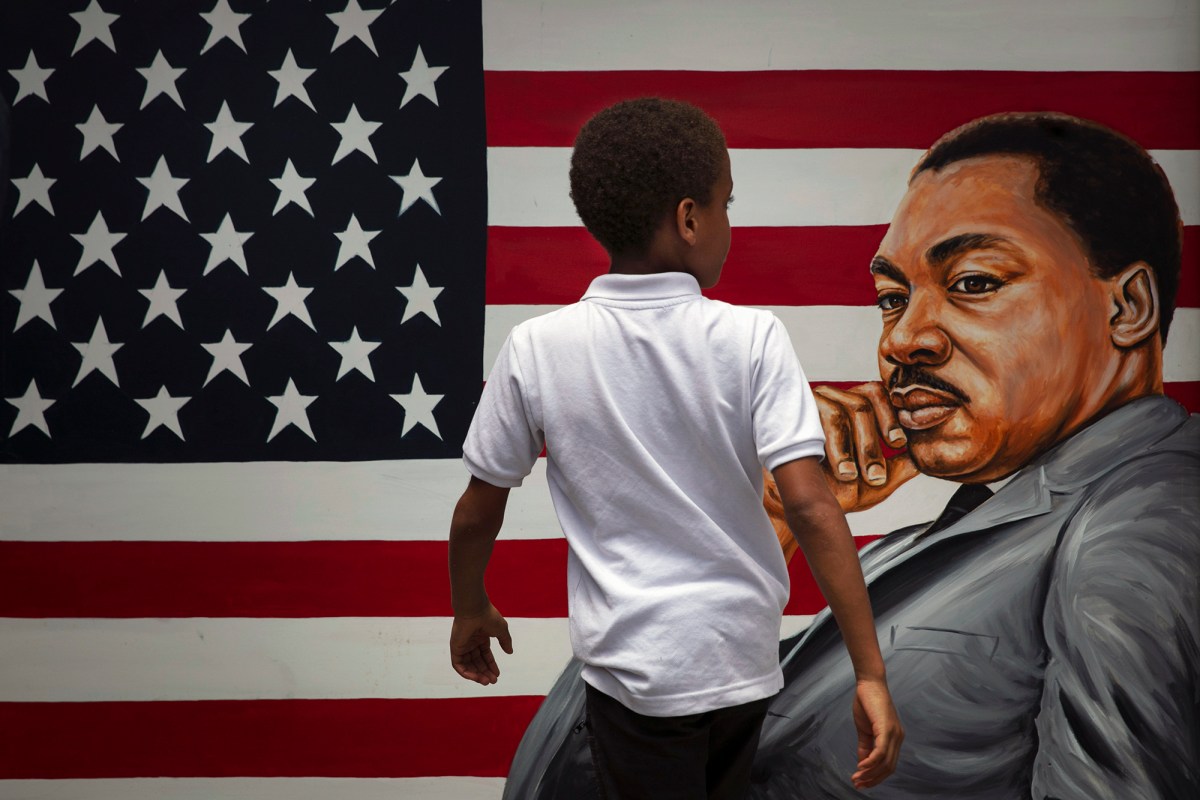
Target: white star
point(291, 405)
point(98, 132)
point(420, 296)
point(164, 412)
point(356, 135)
point(291, 77)
point(163, 301)
point(163, 190)
point(98, 245)
point(417, 186)
point(31, 80)
point(94, 23)
point(355, 242)
point(353, 23)
point(355, 355)
point(160, 79)
point(227, 355)
point(35, 299)
point(34, 189)
point(292, 186)
point(290, 300)
point(223, 23)
point(227, 245)
point(418, 408)
point(97, 355)
point(31, 410)
point(421, 79)
point(227, 134)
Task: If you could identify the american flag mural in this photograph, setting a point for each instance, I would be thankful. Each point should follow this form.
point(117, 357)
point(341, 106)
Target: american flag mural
point(257, 258)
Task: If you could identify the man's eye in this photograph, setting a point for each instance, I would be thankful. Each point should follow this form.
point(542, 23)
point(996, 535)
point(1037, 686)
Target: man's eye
point(892, 301)
point(975, 284)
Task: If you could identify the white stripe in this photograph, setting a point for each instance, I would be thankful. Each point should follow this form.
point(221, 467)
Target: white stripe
point(1183, 171)
point(1181, 356)
point(394, 500)
point(838, 343)
point(454, 788)
point(841, 34)
point(264, 501)
point(833, 343)
point(90, 660)
point(529, 187)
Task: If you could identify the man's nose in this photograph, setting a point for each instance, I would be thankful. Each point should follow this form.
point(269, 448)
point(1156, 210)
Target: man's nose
point(917, 337)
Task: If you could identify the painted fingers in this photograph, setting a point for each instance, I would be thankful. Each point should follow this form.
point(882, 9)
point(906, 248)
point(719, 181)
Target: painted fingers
point(857, 423)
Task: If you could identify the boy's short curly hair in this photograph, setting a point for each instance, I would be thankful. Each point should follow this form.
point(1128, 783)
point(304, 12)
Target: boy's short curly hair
point(634, 161)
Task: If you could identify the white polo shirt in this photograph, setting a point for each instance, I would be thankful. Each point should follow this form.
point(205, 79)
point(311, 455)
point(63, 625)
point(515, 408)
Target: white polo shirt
point(658, 408)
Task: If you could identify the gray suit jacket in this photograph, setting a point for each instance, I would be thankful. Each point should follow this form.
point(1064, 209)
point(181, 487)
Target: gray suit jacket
point(1045, 645)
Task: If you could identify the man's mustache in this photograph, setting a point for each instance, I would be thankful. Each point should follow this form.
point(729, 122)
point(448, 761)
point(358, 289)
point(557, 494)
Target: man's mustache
point(908, 375)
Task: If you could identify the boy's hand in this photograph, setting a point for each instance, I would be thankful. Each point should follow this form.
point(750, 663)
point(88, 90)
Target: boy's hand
point(879, 733)
point(471, 648)
point(857, 423)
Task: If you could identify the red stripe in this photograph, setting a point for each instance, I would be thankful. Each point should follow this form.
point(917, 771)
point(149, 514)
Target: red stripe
point(526, 578)
point(806, 597)
point(263, 738)
point(1186, 393)
point(846, 108)
point(766, 266)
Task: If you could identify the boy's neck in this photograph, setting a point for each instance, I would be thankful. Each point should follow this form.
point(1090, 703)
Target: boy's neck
point(648, 263)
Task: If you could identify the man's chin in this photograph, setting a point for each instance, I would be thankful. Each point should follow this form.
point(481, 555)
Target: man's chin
point(940, 456)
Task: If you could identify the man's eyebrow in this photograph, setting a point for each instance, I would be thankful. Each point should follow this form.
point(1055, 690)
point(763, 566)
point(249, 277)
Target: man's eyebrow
point(881, 266)
point(948, 249)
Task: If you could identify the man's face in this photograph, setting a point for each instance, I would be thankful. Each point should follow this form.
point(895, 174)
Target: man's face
point(995, 332)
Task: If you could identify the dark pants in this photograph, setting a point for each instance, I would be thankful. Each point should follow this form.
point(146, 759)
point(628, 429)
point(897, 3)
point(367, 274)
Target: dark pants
point(693, 757)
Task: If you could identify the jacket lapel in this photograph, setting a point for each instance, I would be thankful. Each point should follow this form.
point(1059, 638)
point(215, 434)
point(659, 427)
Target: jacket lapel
point(1074, 463)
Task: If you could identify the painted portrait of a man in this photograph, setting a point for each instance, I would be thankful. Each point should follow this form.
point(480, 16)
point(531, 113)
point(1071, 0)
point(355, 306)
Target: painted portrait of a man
point(1041, 633)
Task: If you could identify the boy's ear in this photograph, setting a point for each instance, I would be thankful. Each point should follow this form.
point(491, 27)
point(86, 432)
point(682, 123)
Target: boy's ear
point(1136, 312)
point(685, 220)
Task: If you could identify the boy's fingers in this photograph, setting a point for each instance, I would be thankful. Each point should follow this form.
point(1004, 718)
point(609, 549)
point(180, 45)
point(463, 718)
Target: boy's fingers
point(492, 668)
point(505, 639)
point(482, 656)
point(880, 763)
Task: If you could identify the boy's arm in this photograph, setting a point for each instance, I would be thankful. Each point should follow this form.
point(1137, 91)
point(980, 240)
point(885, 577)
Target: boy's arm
point(473, 530)
point(820, 528)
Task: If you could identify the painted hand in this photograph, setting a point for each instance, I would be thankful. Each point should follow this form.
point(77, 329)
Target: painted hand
point(857, 423)
point(879, 733)
point(471, 645)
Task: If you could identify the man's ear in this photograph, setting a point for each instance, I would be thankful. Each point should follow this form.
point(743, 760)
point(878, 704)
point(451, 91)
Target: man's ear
point(1135, 298)
point(685, 220)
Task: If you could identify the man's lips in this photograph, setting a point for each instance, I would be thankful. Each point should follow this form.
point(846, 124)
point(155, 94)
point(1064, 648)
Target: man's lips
point(919, 408)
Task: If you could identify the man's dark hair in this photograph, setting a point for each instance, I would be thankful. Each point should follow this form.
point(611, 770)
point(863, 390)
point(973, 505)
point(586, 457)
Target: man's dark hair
point(634, 161)
point(1102, 184)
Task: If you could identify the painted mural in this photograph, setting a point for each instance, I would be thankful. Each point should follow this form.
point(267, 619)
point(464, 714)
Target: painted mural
point(257, 257)
point(1041, 633)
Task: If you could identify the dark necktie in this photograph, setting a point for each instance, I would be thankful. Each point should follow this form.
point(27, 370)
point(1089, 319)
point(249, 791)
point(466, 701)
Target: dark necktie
point(966, 499)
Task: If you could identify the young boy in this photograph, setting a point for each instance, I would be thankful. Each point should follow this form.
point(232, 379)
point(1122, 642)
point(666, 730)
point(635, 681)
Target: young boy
point(659, 409)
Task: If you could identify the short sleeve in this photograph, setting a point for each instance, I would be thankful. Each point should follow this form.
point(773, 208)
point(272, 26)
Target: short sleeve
point(786, 423)
point(504, 439)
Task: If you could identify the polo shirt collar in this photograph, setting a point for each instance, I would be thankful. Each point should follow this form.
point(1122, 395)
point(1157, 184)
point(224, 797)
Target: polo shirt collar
point(656, 286)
